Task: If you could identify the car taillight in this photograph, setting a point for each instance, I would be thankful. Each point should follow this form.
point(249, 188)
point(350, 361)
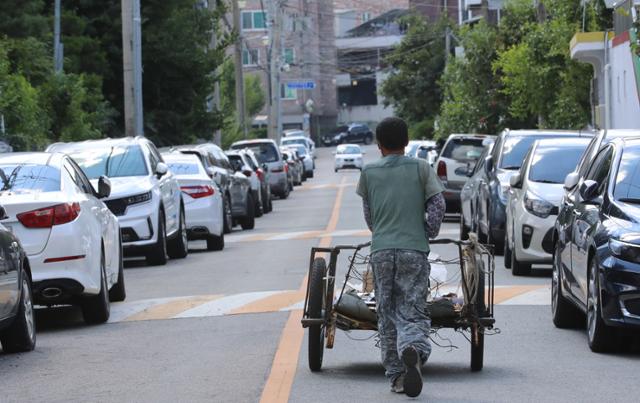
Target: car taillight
point(49, 216)
point(286, 168)
point(197, 192)
point(442, 170)
point(260, 174)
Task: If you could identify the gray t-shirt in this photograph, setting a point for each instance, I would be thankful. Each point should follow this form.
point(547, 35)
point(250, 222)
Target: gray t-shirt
point(396, 188)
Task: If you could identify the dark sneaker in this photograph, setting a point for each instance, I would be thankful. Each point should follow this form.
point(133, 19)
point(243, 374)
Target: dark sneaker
point(413, 377)
point(398, 384)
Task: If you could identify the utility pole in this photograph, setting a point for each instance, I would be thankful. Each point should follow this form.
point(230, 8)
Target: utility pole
point(447, 45)
point(240, 107)
point(57, 44)
point(217, 135)
point(132, 67)
point(275, 39)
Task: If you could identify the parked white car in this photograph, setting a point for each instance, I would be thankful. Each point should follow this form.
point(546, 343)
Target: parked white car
point(203, 203)
point(348, 156)
point(534, 201)
point(307, 161)
point(145, 195)
point(71, 238)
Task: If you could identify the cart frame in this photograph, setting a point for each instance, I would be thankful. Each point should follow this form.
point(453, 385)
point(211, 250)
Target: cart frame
point(321, 318)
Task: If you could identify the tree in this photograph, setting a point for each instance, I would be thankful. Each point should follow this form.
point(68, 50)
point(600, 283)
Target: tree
point(417, 64)
point(472, 101)
point(178, 70)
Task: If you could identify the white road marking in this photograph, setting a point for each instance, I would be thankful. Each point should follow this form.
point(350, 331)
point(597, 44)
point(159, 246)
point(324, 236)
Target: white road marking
point(225, 305)
point(122, 310)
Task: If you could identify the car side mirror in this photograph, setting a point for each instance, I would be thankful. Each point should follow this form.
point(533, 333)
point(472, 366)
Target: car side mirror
point(211, 172)
point(161, 169)
point(589, 192)
point(104, 187)
point(571, 181)
point(285, 157)
point(488, 164)
point(3, 213)
point(516, 181)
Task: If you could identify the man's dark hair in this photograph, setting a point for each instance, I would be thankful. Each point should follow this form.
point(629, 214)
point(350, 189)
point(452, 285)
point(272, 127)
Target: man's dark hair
point(392, 133)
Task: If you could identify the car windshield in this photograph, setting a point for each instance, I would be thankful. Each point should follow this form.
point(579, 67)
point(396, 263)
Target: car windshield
point(553, 164)
point(113, 162)
point(349, 150)
point(462, 149)
point(30, 177)
point(264, 152)
point(627, 188)
point(184, 168)
point(288, 142)
point(515, 150)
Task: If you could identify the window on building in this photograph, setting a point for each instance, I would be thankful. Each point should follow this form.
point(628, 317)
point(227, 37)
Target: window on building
point(361, 92)
point(366, 16)
point(288, 93)
point(254, 20)
point(289, 55)
point(250, 57)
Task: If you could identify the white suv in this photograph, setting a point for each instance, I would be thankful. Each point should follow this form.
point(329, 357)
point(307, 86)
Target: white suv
point(534, 200)
point(145, 195)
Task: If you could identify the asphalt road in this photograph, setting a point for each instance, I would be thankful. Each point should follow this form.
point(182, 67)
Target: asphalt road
point(224, 327)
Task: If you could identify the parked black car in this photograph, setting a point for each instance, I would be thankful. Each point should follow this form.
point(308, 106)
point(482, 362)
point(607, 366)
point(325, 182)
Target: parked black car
point(353, 133)
point(596, 268)
point(17, 321)
point(505, 159)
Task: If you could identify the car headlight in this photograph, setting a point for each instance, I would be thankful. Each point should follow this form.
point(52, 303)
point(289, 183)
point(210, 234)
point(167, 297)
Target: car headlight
point(537, 206)
point(625, 251)
point(137, 199)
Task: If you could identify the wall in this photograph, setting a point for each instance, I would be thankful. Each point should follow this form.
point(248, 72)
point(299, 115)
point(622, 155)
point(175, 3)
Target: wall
point(375, 8)
point(625, 104)
point(370, 114)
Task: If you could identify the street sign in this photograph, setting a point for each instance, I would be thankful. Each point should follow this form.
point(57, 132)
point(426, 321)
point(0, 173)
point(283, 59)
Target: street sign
point(301, 85)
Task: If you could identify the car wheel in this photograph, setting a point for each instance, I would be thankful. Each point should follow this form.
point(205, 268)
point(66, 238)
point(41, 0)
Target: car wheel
point(215, 242)
point(179, 246)
point(285, 193)
point(96, 308)
point(21, 335)
point(464, 230)
point(118, 293)
point(600, 336)
point(228, 216)
point(157, 255)
point(259, 209)
point(564, 314)
point(249, 221)
point(519, 268)
point(507, 253)
point(310, 174)
point(335, 170)
point(270, 204)
point(368, 140)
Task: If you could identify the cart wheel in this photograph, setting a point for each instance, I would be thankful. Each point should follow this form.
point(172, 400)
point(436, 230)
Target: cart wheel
point(477, 347)
point(315, 306)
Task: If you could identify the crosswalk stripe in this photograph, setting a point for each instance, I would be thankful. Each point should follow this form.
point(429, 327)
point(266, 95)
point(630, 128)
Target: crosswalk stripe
point(285, 236)
point(275, 301)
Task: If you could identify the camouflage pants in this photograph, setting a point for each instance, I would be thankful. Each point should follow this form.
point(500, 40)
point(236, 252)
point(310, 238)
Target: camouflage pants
point(401, 286)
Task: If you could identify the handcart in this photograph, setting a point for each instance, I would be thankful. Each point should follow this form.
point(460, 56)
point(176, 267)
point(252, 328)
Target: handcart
point(472, 313)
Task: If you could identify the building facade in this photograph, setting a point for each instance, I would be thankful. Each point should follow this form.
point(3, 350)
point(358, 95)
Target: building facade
point(356, 12)
point(307, 55)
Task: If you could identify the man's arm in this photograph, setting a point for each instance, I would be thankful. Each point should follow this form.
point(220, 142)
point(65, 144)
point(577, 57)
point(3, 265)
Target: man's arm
point(435, 208)
point(367, 213)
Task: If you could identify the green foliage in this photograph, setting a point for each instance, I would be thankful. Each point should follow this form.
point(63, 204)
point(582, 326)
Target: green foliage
point(471, 99)
point(418, 63)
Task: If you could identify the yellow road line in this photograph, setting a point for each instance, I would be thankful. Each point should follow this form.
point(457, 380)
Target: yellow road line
point(285, 362)
point(171, 309)
point(504, 294)
point(273, 303)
